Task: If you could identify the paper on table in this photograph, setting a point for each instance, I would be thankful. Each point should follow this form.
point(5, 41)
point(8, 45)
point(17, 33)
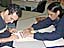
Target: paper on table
point(58, 42)
point(23, 39)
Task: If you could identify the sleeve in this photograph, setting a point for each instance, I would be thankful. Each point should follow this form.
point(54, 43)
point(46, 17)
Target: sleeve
point(3, 26)
point(42, 24)
point(58, 33)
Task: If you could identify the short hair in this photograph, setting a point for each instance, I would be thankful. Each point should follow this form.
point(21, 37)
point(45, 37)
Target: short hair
point(14, 8)
point(54, 7)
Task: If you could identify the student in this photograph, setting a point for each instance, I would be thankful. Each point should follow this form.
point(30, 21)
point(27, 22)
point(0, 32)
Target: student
point(56, 18)
point(9, 15)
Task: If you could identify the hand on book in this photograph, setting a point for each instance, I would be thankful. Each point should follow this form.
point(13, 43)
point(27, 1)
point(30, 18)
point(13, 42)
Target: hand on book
point(27, 33)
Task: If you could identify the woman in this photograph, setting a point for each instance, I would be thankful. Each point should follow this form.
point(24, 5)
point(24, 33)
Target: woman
point(56, 18)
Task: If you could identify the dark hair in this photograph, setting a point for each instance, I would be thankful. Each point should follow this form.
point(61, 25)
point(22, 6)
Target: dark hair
point(14, 8)
point(54, 7)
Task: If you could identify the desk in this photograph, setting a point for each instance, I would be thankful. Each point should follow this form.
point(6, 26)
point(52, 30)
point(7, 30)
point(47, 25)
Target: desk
point(31, 43)
point(27, 19)
point(29, 14)
point(35, 43)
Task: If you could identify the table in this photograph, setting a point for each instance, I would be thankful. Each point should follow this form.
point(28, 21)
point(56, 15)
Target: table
point(27, 19)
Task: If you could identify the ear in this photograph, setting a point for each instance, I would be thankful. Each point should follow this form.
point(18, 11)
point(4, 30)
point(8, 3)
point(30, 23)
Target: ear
point(58, 12)
point(6, 12)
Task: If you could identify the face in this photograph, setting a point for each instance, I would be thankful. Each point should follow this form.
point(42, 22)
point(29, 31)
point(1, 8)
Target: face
point(10, 18)
point(52, 15)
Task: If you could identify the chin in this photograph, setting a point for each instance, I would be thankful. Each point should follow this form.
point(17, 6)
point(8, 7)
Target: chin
point(6, 22)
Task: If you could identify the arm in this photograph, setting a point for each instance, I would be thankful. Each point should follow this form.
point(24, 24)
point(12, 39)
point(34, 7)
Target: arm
point(12, 30)
point(11, 38)
point(42, 24)
point(58, 33)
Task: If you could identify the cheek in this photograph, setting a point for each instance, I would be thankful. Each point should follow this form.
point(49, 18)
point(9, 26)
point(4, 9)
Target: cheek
point(51, 17)
point(55, 16)
point(8, 18)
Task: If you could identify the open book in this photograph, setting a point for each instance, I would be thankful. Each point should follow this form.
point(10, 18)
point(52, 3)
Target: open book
point(19, 34)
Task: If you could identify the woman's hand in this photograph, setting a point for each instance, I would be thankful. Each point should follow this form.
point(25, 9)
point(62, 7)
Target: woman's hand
point(12, 30)
point(13, 37)
point(27, 33)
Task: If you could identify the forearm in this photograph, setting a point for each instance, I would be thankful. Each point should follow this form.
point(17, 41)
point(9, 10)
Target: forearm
point(47, 36)
point(3, 40)
point(42, 24)
point(12, 30)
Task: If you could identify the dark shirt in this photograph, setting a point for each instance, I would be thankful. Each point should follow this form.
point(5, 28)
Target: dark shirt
point(2, 23)
point(58, 33)
point(42, 24)
point(4, 34)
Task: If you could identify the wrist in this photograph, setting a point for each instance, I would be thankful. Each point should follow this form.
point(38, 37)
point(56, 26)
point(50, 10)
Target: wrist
point(31, 35)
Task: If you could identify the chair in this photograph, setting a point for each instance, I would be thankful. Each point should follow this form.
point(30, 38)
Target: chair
point(40, 7)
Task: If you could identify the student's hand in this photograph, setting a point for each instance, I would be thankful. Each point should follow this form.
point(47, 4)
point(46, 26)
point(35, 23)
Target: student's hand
point(14, 37)
point(11, 38)
point(27, 33)
point(12, 30)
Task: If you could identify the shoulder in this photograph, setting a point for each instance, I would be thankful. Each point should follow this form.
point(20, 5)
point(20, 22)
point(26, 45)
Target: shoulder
point(2, 23)
point(62, 20)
